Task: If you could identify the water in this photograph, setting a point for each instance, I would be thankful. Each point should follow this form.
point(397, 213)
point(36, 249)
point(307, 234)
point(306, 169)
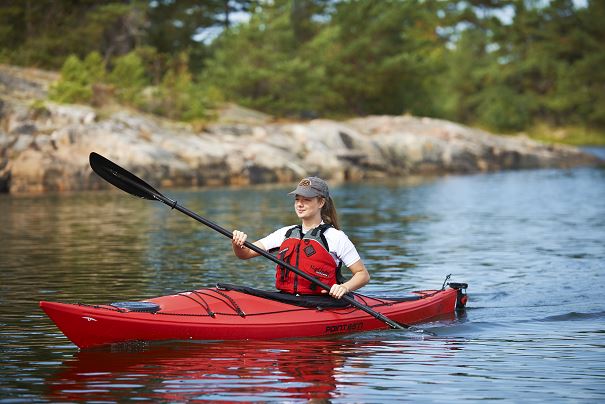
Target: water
point(531, 245)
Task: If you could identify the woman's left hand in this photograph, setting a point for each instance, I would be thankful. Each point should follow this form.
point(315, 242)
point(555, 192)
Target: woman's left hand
point(337, 291)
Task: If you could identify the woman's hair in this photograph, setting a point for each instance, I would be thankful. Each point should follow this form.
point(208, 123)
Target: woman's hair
point(328, 212)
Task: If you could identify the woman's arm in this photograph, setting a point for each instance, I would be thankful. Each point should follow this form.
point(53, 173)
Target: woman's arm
point(360, 278)
point(242, 252)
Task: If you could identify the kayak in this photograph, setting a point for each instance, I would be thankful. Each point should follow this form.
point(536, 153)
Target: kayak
point(231, 312)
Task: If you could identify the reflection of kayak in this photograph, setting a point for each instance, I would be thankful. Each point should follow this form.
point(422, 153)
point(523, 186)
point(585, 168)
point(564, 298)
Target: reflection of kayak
point(230, 312)
point(230, 371)
point(241, 371)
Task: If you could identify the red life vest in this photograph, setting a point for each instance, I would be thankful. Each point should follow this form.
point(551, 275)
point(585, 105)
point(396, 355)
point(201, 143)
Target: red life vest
point(311, 254)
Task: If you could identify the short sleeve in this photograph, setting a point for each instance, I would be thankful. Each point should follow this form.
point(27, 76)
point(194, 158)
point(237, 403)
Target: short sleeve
point(274, 239)
point(342, 247)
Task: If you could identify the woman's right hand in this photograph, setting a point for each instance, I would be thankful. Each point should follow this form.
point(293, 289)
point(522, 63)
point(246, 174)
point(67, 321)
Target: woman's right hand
point(239, 238)
point(241, 251)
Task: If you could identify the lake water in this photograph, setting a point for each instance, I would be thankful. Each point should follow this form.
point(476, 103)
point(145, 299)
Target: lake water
point(531, 245)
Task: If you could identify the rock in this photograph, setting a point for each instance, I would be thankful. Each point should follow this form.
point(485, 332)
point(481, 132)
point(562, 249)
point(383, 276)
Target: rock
point(46, 147)
point(6, 142)
point(22, 143)
point(26, 128)
point(71, 114)
point(234, 130)
point(265, 163)
point(172, 155)
point(232, 113)
point(25, 83)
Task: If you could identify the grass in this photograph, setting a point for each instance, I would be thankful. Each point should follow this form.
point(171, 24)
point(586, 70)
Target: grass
point(572, 135)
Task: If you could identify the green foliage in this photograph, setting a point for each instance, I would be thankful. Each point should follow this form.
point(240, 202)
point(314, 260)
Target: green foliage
point(75, 85)
point(44, 32)
point(574, 135)
point(543, 66)
point(129, 78)
point(177, 96)
point(369, 58)
point(181, 98)
point(383, 56)
point(95, 67)
point(503, 110)
point(257, 64)
point(506, 65)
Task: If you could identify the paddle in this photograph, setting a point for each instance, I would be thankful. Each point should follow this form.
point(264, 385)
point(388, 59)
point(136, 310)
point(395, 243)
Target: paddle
point(128, 182)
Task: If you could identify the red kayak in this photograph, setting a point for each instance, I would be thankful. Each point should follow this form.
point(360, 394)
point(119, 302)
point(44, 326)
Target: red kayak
point(229, 312)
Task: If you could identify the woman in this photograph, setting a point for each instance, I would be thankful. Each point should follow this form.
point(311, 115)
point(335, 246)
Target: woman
point(316, 246)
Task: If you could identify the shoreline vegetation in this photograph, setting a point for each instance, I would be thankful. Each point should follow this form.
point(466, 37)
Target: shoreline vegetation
point(44, 146)
point(245, 92)
point(570, 135)
point(532, 67)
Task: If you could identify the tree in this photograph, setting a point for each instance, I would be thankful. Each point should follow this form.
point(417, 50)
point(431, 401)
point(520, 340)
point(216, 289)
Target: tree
point(180, 98)
point(383, 56)
point(503, 64)
point(45, 32)
point(257, 64)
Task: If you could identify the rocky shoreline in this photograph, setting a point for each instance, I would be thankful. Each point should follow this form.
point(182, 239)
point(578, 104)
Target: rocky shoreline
point(45, 147)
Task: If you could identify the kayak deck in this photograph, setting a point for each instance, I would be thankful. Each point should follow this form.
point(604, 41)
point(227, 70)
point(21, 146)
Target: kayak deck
point(229, 312)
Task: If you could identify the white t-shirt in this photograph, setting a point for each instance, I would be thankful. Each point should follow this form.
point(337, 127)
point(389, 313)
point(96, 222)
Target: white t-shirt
point(341, 248)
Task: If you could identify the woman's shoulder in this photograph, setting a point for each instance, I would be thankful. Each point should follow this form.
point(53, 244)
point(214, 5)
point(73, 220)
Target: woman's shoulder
point(334, 232)
point(284, 230)
point(342, 246)
point(275, 238)
point(330, 228)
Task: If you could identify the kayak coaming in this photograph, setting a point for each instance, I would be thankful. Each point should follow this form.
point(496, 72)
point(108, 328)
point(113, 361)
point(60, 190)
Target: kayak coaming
point(183, 317)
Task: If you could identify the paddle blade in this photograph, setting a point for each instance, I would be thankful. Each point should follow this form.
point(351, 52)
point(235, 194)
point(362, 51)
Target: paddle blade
point(121, 178)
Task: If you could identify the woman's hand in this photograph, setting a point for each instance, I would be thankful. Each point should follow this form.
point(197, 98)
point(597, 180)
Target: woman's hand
point(359, 279)
point(239, 238)
point(240, 250)
point(337, 291)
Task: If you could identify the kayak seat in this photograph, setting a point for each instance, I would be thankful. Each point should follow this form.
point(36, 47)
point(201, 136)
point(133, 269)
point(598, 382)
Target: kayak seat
point(296, 300)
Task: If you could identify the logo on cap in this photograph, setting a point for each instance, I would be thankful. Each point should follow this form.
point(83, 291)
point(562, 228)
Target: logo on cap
point(311, 187)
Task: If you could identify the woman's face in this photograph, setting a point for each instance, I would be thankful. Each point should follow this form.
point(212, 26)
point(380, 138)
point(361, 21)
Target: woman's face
point(308, 208)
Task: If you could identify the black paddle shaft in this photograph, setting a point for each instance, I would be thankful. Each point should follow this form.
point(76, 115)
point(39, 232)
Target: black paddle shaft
point(130, 183)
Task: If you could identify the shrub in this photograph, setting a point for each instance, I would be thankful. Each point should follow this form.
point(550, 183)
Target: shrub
point(74, 85)
point(128, 77)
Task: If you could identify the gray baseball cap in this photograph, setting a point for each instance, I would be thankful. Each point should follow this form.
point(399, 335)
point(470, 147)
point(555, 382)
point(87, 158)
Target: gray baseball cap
point(311, 187)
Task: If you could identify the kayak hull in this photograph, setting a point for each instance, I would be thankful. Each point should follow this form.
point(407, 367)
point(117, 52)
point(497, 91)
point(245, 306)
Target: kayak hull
point(215, 314)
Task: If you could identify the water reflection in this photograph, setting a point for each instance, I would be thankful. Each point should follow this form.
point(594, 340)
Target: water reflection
point(250, 370)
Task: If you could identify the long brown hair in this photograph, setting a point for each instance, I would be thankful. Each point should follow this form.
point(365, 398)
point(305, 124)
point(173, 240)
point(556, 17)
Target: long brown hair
point(328, 212)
